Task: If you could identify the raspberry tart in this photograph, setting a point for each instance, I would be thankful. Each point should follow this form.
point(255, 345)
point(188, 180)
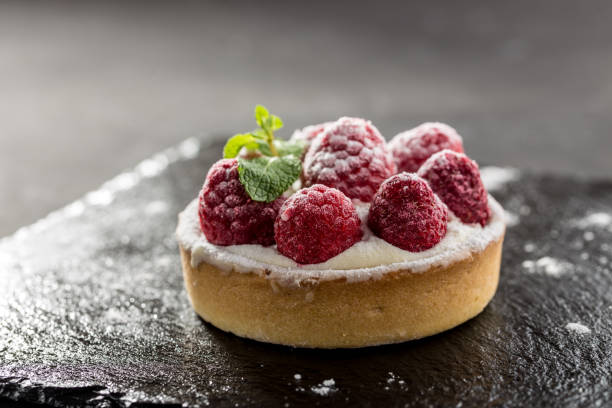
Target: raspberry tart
point(329, 240)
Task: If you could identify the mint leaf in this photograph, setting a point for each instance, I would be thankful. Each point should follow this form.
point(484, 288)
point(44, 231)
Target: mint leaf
point(286, 148)
point(260, 134)
point(275, 122)
point(237, 142)
point(264, 148)
point(266, 178)
point(283, 147)
point(261, 114)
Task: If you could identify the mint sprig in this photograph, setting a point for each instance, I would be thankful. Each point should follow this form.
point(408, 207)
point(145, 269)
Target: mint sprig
point(268, 176)
point(235, 144)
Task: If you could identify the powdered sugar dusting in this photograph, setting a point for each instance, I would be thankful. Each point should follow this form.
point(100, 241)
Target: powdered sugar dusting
point(413, 147)
point(439, 159)
point(430, 127)
point(156, 207)
point(154, 166)
point(308, 133)
point(394, 381)
point(189, 148)
point(597, 220)
point(495, 178)
point(100, 197)
point(578, 328)
point(370, 258)
point(106, 194)
point(511, 219)
point(349, 155)
point(325, 388)
point(547, 266)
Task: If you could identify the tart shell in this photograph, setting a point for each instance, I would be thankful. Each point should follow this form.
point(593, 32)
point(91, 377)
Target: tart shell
point(397, 307)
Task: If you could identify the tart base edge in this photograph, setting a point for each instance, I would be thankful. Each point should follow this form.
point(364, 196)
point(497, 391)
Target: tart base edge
point(398, 307)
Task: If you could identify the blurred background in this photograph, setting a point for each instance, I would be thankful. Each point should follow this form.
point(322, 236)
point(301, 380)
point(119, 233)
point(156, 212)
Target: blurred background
point(89, 89)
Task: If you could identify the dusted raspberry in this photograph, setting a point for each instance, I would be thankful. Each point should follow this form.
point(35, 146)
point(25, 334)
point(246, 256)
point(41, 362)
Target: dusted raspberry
point(349, 155)
point(228, 216)
point(315, 224)
point(407, 214)
point(456, 179)
point(309, 133)
point(411, 148)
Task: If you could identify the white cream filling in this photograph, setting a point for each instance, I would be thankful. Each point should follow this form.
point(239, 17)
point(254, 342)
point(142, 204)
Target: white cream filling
point(369, 258)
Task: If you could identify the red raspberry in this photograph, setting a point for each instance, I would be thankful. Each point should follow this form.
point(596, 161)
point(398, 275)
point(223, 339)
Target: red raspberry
point(411, 148)
point(315, 224)
point(308, 133)
point(407, 214)
point(456, 179)
point(228, 216)
point(349, 155)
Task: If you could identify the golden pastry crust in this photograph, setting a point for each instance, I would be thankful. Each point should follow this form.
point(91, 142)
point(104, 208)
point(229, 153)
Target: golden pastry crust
point(400, 306)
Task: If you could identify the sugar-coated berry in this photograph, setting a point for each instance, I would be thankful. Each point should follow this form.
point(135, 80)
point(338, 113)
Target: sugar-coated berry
point(316, 224)
point(411, 148)
point(308, 133)
point(456, 179)
point(406, 213)
point(228, 216)
point(350, 155)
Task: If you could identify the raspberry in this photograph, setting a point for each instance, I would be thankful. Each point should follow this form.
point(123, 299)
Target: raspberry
point(315, 224)
point(308, 133)
point(456, 179)
point(411, 148)
point(228, 216)
point(406, 213)
point(349, 155)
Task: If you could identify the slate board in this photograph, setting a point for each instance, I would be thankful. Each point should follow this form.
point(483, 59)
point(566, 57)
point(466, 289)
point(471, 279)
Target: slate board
point(93, 312)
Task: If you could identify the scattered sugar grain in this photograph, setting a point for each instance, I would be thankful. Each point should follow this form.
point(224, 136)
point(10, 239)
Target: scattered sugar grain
point(100, 197)
point(529, 247)
point(325, 388)
point(189, 148)
point(547, 266)
point(525, 210)
point(511, 218)
point(578, 328)
point(598, 219)
point(495, 178)
point(156, 207)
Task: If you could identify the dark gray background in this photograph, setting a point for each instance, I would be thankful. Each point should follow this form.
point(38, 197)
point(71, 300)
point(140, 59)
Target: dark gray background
point(89, 89)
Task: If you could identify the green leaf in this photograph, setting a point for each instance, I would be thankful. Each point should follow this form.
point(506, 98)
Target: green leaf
point(275, 122)
point(264, 148)
point(260, 134)
point(261, 114)
point(285, 148)
point(237, 142)
point(266, 178)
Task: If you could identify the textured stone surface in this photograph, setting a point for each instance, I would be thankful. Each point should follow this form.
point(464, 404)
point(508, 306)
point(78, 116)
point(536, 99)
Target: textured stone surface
point(93, 312)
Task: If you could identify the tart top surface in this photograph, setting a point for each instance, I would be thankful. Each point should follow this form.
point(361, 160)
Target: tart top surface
point(369, 258)
point(360, 214)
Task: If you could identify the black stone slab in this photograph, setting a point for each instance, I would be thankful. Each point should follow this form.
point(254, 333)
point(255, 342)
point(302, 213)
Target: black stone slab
point(93, 312)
